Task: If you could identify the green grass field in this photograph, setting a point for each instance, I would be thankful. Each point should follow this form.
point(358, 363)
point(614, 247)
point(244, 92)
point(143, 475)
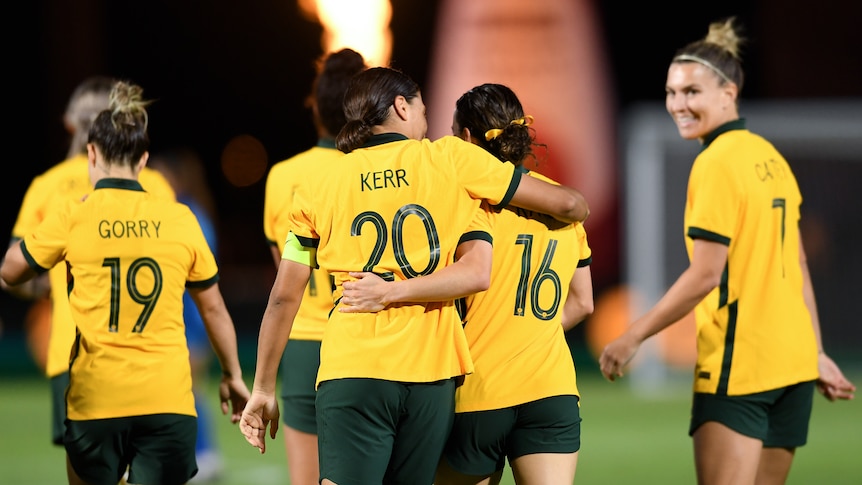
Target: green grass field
point(625, 439)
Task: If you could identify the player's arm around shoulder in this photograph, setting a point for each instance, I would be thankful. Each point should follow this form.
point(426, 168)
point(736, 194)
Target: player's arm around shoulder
point(559, 201)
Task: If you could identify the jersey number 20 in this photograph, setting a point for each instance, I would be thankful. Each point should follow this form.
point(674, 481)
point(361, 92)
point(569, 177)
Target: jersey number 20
point(401, 215)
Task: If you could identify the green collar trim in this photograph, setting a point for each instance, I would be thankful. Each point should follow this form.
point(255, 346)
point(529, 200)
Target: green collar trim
point(384, 138)
point(738, 124)
point(114, 183)
point(326, 143)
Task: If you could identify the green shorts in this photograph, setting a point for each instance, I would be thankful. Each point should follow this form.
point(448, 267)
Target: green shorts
point(156, 448)
point(482, 440)
point(59, 383)
point(376, 431)
point(299, 365)
point(779, 417)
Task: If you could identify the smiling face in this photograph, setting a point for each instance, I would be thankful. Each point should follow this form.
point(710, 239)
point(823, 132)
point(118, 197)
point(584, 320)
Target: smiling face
point(697, 101)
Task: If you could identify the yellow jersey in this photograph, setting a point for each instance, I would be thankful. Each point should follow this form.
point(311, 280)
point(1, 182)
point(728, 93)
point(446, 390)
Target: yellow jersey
point(47, 193)
point(280, 187)
point(754, 331)
point(397, 207)
point(130, 256)
point(514, 328)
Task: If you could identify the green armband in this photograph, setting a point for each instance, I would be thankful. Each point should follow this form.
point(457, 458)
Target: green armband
point(296, 252)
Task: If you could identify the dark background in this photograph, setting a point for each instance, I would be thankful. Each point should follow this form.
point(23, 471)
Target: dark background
point(223, 68)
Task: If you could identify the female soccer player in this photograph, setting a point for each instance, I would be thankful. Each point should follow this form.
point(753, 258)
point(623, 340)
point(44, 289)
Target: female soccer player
point(397, 204)
point(46, 194)
point(302, 355)
point(521, 403)
point(130, 256)
point(759, 351)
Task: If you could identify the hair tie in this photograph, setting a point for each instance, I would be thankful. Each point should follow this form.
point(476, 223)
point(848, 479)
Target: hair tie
point(525, 120)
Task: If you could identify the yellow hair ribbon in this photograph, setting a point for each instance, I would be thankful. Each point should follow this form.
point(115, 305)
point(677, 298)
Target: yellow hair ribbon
point(492, 133)
point(525, 120)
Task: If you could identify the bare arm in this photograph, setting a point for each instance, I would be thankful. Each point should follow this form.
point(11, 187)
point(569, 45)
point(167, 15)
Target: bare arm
point(579, 303)
point(701, 277)
point(222, 335)
point(284, 299)
point(276, 256)
point(563, 203)
point(33, 287)
point(14, 269)
point(470, 274)
point(262, 411)
point(831, 383)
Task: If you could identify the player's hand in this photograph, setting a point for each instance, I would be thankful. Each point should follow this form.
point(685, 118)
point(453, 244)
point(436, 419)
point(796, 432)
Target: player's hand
point(261, 412)
point(616, 355)
point(832, 383)
point(234, 395)
point(365, 294)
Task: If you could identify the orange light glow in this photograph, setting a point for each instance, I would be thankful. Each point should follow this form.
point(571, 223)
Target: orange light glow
point(244, 161)
point(618, 306)
point(362, 25)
